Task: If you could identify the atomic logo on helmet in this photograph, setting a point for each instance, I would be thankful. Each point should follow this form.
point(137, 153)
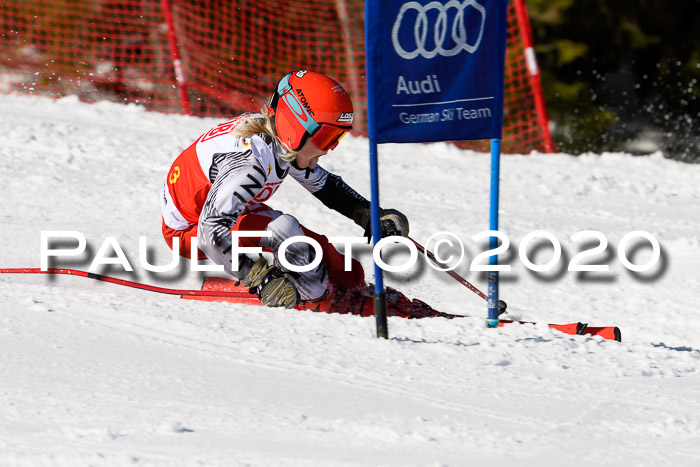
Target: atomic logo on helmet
point(308, 105)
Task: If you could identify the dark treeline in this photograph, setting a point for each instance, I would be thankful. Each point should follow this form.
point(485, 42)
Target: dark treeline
point(622, 74)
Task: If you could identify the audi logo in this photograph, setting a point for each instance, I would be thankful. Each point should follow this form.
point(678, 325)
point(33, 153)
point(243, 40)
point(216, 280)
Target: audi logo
point(451, 16)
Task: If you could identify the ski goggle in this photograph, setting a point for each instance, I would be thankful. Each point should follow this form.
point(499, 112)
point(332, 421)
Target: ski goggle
point(328, 136)
point(324, 135)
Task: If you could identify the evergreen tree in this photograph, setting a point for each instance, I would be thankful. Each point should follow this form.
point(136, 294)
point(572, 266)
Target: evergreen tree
point(613, 70)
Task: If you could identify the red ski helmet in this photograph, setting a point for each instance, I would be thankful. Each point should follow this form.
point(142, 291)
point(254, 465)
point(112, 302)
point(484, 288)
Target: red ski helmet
point(308, 105)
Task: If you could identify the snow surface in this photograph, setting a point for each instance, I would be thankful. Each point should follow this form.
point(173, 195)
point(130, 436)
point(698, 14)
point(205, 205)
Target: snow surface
point(98, 374)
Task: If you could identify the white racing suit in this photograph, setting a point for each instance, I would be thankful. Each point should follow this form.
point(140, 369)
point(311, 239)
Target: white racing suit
point(221, 177)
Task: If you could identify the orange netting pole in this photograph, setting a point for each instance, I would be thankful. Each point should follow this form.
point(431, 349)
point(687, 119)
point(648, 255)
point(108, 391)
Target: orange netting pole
point(175, 53)
point(533, 69)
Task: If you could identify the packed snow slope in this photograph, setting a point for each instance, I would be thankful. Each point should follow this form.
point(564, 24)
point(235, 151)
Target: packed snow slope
point(99, 374)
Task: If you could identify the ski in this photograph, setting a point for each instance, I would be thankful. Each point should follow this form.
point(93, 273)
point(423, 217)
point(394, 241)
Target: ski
point(217, 283)
point(580, 329)
point(126, 283)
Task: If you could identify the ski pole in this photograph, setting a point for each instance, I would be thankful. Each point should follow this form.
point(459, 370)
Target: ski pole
point(135, 285)
point(501, 304)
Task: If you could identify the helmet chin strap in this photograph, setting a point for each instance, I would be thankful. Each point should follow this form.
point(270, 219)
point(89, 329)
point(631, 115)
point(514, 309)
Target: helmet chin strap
point(303, 141)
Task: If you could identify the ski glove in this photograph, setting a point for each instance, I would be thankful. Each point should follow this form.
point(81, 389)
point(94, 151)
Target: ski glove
point(392, 221)
point(278, 291)
point(270, 285)
point(257, 273)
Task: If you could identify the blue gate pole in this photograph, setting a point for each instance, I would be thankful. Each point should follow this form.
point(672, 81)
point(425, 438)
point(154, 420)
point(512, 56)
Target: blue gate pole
point(492, 320)
point(379, 293)
point(370, 60)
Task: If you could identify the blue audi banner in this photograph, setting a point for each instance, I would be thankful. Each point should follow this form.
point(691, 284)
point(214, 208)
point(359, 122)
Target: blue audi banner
point(435, 69)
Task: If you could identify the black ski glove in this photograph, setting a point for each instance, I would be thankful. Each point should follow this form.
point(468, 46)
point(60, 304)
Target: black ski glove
point(392, 221)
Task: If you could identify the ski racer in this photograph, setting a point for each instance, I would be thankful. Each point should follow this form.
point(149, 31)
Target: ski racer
point(223, 180)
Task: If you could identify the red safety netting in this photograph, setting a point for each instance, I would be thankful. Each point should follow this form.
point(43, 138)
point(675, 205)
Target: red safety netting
point(231, 55)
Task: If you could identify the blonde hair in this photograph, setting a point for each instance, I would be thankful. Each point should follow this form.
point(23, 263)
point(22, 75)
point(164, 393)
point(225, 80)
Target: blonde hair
point(251, 125)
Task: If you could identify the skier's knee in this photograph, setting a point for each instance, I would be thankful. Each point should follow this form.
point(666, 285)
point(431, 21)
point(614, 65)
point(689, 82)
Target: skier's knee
point(284, 227)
